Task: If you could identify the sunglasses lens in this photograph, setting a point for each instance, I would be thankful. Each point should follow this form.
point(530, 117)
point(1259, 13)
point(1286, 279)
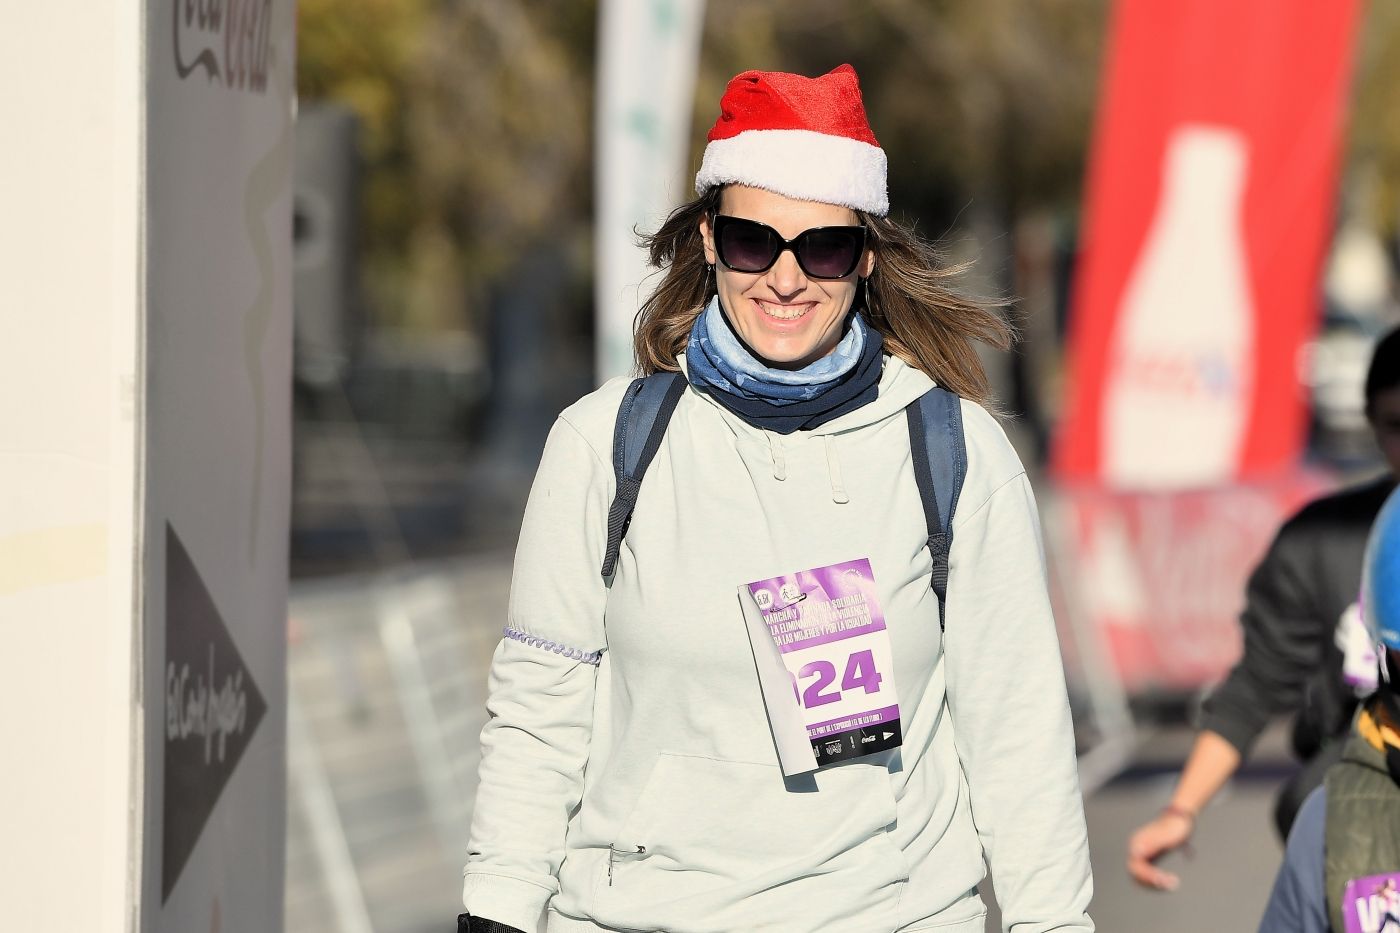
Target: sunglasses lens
point(829, 254)
point(746, 246)
point(822, 252)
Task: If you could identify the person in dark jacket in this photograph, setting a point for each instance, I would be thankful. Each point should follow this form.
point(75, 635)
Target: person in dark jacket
point(1294, 603)
point(1343, 855)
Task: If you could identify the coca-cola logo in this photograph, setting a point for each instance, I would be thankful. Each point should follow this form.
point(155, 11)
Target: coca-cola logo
point(228, 40)
point(1181, 373)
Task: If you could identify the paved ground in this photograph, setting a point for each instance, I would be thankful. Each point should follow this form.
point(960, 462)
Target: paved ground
point(1224, 883)
point(388, 674)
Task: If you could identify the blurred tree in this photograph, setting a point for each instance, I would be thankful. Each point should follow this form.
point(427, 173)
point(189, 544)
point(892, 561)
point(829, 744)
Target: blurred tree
point(982, 99)
point(1374, 144)
point(476, 139)
point(478, 120)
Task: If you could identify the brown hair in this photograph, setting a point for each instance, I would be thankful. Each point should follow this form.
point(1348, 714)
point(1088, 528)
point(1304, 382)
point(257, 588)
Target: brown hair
point(908, 299)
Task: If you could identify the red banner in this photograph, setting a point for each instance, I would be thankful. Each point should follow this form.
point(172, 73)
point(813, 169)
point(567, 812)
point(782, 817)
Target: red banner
point(1210, 199)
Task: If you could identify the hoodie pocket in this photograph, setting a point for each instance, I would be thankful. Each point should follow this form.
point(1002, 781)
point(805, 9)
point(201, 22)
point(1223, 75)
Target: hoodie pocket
point(718, 831)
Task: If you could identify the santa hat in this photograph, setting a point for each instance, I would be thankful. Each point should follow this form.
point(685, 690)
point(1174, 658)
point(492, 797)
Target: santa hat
point(805, 138)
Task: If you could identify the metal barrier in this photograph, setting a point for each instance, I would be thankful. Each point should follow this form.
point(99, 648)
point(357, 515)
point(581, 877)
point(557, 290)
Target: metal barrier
point(388, 678)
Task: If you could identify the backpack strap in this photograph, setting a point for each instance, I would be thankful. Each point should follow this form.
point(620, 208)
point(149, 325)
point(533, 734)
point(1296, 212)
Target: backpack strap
point(642, 417)
point(939, 450)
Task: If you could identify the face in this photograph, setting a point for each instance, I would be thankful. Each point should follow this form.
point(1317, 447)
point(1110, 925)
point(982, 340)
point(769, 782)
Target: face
point(786, 318)
point(1385, 424)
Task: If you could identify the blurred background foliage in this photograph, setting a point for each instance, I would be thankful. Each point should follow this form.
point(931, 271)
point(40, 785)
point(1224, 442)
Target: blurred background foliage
point(475, 139)
point(1373, 164)
point(477, 119)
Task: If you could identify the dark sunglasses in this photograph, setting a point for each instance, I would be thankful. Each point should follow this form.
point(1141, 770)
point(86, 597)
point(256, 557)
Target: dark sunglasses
point(821, 252)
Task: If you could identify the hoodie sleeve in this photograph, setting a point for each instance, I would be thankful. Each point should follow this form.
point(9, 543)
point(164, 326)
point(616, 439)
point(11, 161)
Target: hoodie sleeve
point(535, 743)
point(1010, 713)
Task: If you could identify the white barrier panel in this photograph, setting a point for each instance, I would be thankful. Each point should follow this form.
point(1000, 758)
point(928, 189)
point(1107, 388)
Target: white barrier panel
point(144, 368)
point(69, 320)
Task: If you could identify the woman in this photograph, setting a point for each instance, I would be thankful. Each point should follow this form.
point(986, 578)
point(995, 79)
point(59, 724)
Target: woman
point(629, 779)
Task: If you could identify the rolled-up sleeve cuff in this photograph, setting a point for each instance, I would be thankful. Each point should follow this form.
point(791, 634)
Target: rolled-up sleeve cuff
point(504, 899)
point(1242, 735)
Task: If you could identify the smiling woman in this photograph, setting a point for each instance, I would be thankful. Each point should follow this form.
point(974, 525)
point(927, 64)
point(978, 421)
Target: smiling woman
point(789, 312)
point(808, 365)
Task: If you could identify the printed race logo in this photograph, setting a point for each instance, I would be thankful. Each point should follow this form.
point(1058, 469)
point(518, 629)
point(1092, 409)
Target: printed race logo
point(212, 708)
point(228, 40)
point(195, 707)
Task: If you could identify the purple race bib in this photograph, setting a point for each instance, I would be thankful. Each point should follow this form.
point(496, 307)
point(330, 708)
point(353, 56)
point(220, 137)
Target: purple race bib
point(1372, 904)
point(828, 628)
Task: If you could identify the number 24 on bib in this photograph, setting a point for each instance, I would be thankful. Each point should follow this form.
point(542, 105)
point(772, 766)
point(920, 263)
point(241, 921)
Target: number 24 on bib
point(828, 628)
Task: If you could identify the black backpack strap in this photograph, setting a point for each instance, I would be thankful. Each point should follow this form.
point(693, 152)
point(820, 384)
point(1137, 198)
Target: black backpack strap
point(642, 417)
point(939, 451)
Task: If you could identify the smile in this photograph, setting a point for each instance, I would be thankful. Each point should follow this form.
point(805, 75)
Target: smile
point(783, 312)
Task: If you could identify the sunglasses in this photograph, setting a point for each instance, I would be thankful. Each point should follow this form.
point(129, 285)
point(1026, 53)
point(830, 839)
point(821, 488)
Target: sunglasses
point(821, 252)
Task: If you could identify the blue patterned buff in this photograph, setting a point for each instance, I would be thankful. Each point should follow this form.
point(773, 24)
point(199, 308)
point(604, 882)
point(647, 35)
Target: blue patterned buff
point(783, 400)
point(748, 376)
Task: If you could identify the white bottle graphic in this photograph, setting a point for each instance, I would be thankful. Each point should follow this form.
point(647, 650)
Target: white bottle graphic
point(1181, 363)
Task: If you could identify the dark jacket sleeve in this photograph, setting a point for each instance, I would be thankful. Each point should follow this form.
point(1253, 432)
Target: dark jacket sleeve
point(1285, 633)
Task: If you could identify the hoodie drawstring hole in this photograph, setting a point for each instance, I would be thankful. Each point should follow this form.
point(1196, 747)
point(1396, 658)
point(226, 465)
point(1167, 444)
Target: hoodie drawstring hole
point(775, 450)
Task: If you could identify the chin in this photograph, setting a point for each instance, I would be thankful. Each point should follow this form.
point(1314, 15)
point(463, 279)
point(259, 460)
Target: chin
point(786, 356)
point(784, 351)
point(781, 354)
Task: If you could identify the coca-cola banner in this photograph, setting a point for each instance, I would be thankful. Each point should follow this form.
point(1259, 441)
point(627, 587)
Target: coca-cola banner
point(1210, 197)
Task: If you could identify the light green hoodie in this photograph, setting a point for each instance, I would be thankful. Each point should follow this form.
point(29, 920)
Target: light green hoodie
point(644, 793)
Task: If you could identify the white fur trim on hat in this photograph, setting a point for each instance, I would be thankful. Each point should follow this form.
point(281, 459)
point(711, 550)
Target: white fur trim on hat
point(802, 164)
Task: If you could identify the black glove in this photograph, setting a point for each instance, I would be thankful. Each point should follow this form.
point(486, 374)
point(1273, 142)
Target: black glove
point(469, 924)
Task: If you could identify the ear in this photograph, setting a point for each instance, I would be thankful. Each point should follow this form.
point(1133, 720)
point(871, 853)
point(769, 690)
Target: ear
point(707, 239)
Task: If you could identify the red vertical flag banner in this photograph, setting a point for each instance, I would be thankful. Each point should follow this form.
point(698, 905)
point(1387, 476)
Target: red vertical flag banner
point(1210, 197)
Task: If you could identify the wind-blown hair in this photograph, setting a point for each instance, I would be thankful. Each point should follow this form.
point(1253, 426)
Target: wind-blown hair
point(908, 298)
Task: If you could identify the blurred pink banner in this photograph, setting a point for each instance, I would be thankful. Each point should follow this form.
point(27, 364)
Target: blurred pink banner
point(1160, 577)
point(1210, 200)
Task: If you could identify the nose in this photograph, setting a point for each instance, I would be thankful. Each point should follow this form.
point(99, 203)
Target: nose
point(786, 278)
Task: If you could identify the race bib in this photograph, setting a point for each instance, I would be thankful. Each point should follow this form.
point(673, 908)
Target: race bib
point(1372, 904)
point(831, 643)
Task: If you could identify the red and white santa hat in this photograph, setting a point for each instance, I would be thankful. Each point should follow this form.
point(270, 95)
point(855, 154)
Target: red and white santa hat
point(805, 138)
